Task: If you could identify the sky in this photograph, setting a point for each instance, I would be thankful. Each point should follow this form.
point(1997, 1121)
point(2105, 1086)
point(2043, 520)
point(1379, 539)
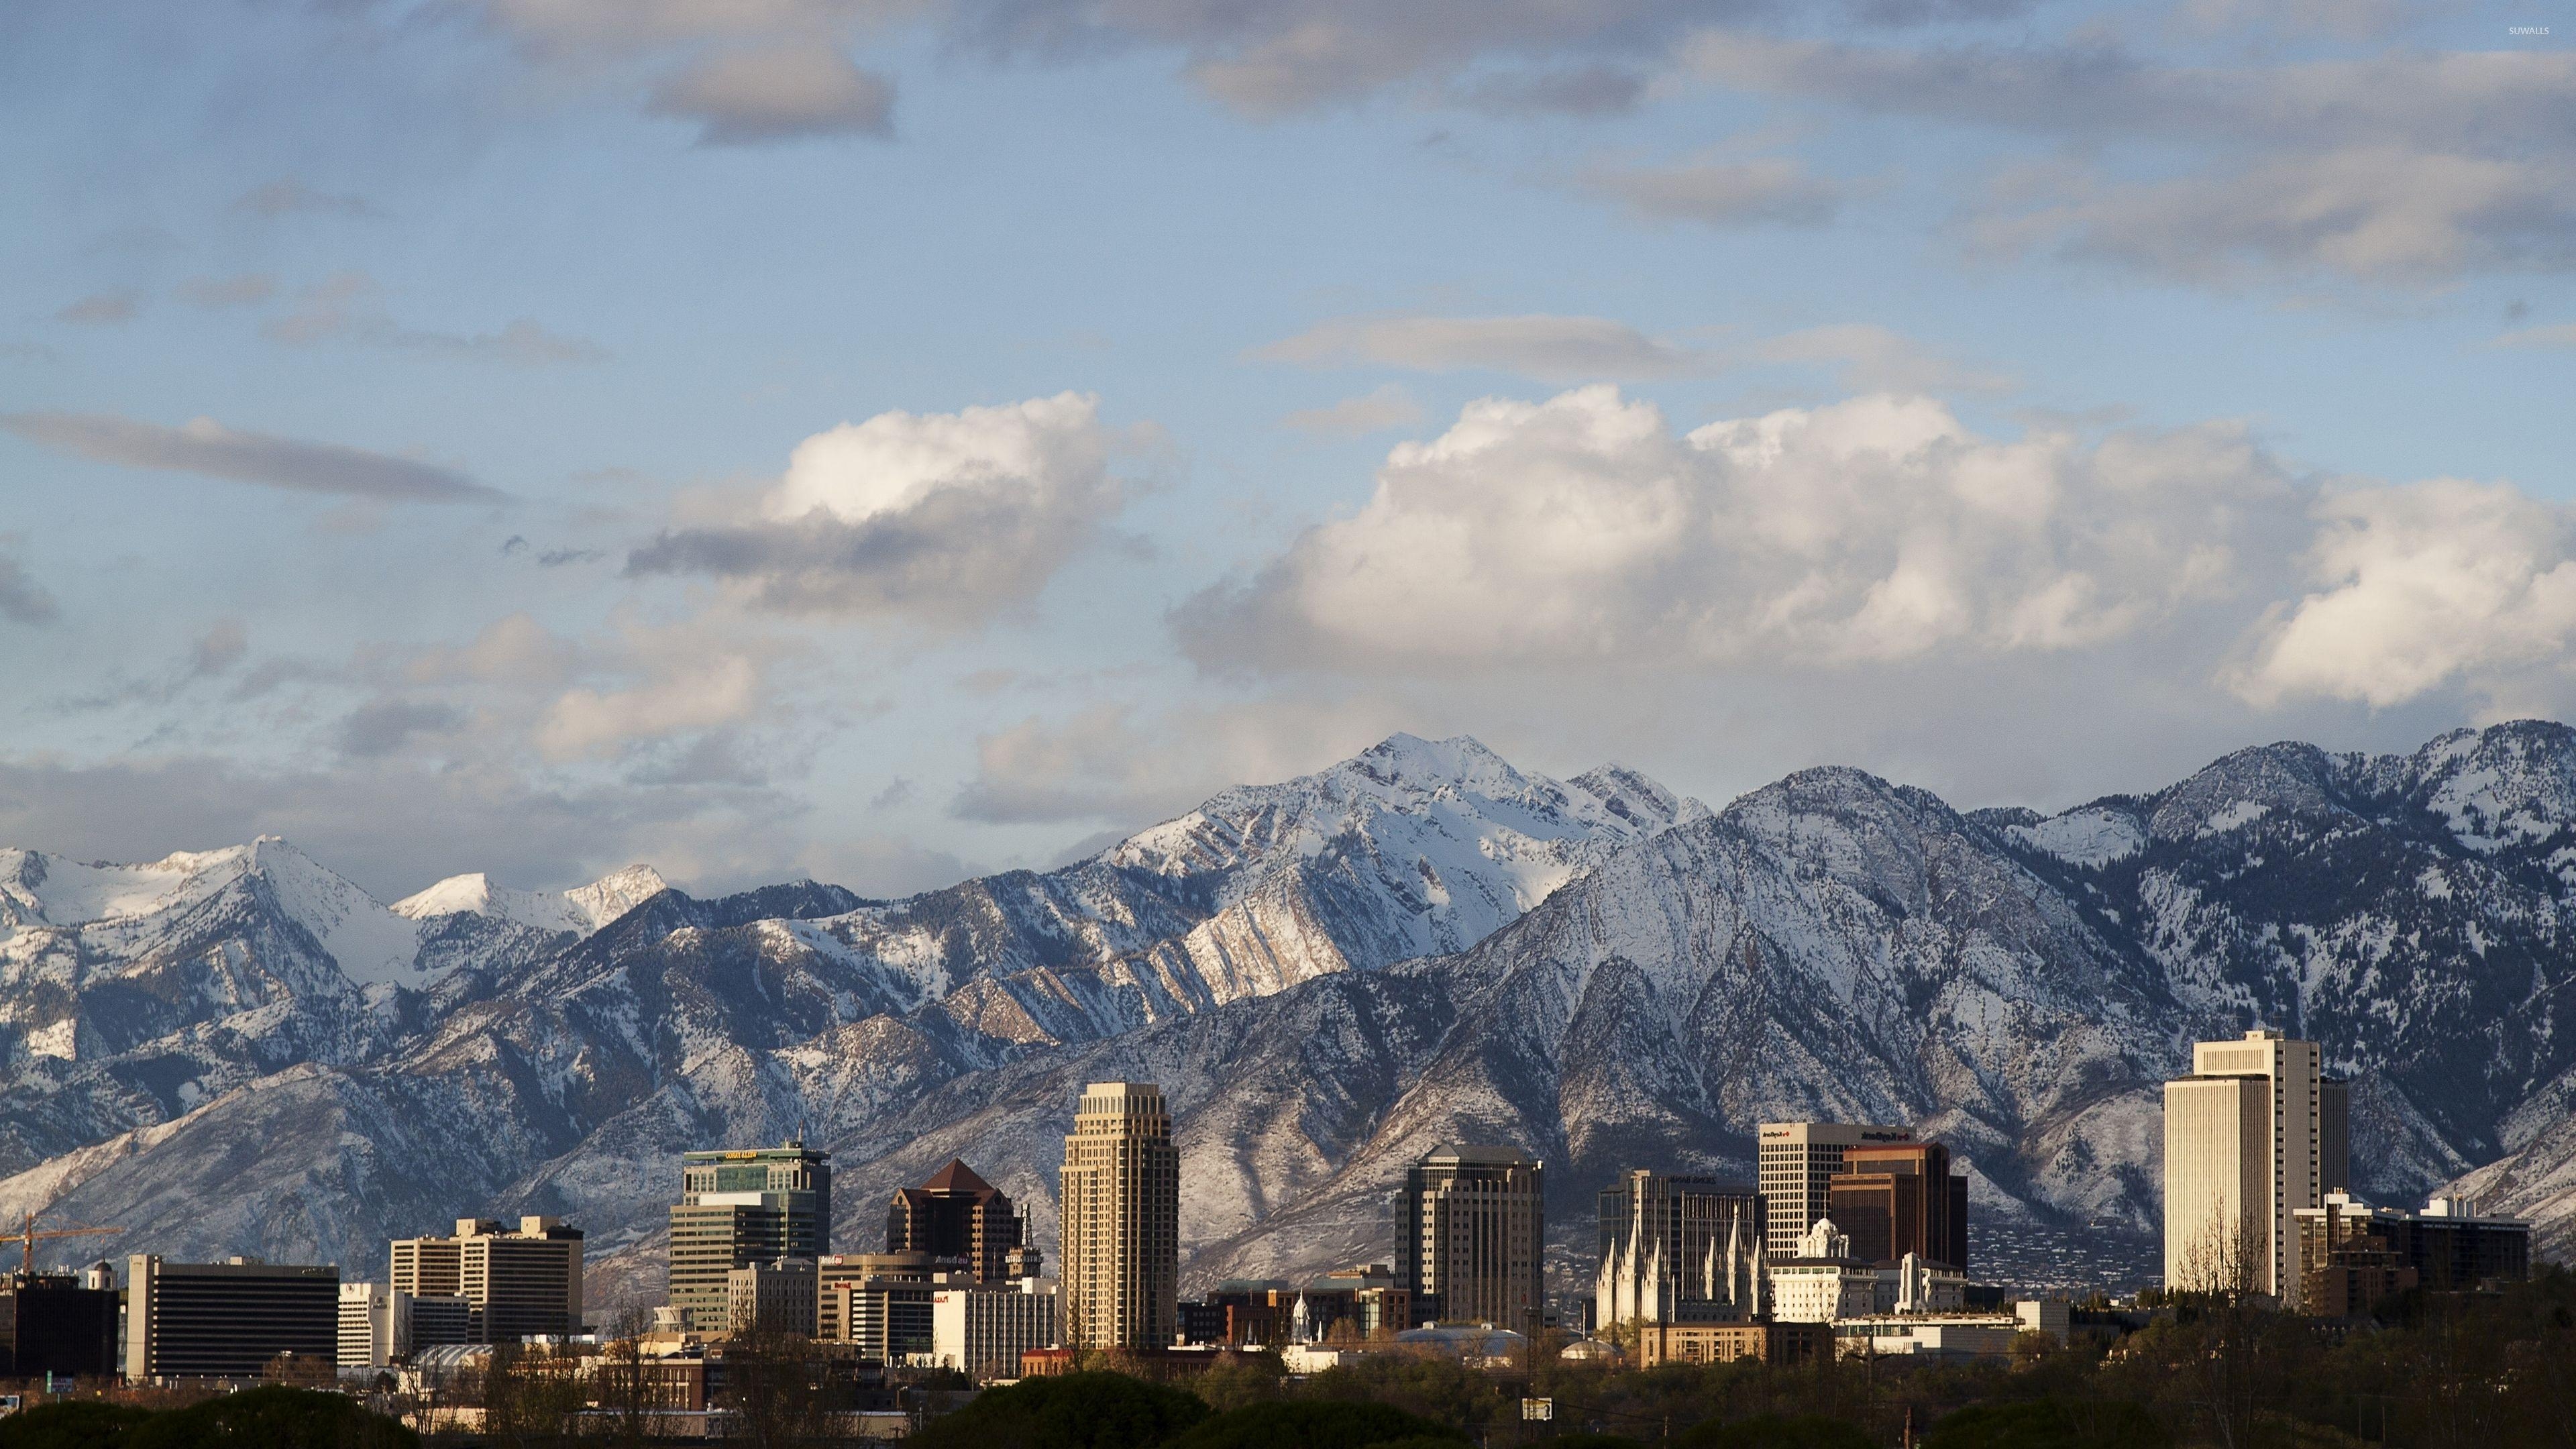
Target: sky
point(896, 440)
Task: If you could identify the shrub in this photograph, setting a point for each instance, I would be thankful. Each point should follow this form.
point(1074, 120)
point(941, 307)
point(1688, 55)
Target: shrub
point(2049, 1424)
point(273, 1418)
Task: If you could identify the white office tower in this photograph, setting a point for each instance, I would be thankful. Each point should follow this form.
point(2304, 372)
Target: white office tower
point(380, 1324)
point(2254, 1134)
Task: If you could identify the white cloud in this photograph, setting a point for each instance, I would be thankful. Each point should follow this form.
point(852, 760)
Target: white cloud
point(1547, 348)
point(2562, 334)
point(1127, 766)
point(1581, 531)
point(944, 518)
point(2421, 585)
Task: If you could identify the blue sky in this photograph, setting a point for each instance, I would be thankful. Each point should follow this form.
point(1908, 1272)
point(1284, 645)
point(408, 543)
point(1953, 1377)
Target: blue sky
point(2024, 400)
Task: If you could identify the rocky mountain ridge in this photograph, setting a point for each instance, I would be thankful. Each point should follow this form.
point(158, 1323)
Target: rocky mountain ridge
point(1332, 974)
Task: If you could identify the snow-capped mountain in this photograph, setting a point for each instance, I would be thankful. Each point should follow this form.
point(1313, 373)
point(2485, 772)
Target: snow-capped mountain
point(1331, 974)
point(579, 911)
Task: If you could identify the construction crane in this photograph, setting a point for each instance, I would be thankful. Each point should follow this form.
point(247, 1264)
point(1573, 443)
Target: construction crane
point(27, 1236)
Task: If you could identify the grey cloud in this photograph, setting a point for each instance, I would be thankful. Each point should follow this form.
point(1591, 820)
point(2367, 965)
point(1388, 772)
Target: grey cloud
point(218, 649)
point(1768, 192)
point(1387, 406)
point(2561, 335)
point(1869, 358)
point(207, 447)
point(958, 557)
point(289, 197)
point(2381, 214)
point(247, 290)
point(214, 653)
point(1591, 90)
point(347, 308)
point(555, 558)
point(383, 726)
point(779, 93)
point(1548, 348)
point(101, 309)
point(22, 599)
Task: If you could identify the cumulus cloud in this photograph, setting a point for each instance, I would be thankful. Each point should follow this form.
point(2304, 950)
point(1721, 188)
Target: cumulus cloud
point(1386, 406)
point(348, 307)
point(943, 518)
point(1764, 192)
point(1582, 531)
point(207, 447)
point(782, 93)
point(2420, 585)
point(1546, 348)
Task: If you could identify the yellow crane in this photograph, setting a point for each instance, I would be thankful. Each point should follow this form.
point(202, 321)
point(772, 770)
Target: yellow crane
point(28, 1235)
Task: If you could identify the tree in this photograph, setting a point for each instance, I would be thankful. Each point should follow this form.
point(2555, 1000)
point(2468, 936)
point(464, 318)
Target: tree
point(71, 1424)
point(769, 1384)
point(2049, 1424)
point(1312, 1424)
point(1775, 1431)
point(528, 1396)
point(1068, 1411)
point(275, 1417)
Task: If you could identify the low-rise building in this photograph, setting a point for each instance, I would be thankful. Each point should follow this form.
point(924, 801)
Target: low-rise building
point(982, 1329)
point(1820, 1281)
point(1952, 1337)
point(2351, 1254)
point(773, 1297)
point(380, 1324)
point(1773, 1342)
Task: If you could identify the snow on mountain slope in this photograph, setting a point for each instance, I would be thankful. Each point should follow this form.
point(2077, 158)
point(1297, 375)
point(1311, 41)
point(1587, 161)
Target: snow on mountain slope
point(581, 910)
point(1652, 981)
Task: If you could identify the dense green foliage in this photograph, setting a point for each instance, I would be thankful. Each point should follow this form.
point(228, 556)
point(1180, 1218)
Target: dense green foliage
point(1068, 1411)
point(1314, 1424)
point(2050, 1424)
point(71, 1424)
point(271, 1418)
point(1778, 1431)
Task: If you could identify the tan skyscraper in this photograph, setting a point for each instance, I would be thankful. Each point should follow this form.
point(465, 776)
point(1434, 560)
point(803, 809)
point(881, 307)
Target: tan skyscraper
point(2255, 1133)
point(1122, 1220)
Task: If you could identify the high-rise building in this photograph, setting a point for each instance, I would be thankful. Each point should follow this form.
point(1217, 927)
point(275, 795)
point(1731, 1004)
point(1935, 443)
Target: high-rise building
point(957, 1214)
point(1122, 1220)
point(2251, 1136)
point(518, 1281)
point(1897, 1198)
point(1677, 1249)
point(380, 1323)
point(55, 1323)
point(738, 1208)
point(1798, 1160)
point(226, 1320)
point(1475, 1235)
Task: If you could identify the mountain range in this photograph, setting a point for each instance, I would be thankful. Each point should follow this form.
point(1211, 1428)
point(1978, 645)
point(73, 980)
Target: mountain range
point(238, 1051)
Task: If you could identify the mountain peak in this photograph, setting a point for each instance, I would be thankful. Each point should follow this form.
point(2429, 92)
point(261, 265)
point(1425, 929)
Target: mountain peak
point(581, 910)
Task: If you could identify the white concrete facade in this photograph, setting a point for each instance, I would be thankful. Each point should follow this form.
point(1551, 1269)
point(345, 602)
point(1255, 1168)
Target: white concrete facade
point(2245, 1149)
